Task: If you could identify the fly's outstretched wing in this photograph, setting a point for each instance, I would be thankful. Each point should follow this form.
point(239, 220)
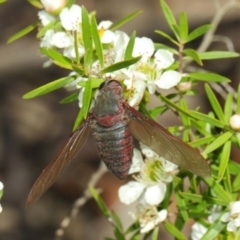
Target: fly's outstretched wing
point(165, 144)
point(50, 174)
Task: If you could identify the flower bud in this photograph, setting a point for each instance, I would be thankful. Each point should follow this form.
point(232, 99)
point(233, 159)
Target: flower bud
point(235, 122)
point(53, 6)
point(184, 86)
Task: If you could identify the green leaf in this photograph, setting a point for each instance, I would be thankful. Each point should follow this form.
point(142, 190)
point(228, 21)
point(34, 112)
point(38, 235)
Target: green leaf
point(218, 189)
point(87, 40)
point(2, 1)
point(118, 234)
point(238, 100)
point(43, 30)
point(206, 119)
point(169, 16)
point(183, 26)
point(155, 233)
point(174, 231)
point(166, 36)
point(228, 108)
point(215, 104)
point(163, 46)
point(224, 159)
point(48, 87)
point(198, 32)
point(201, 141)
point(234, 168)
point(87, 96)
point(125, 20)
point(71, 98)
point(120, 65)
point(181, 206)
point(97, 41)
point(218, 142)
point(78, 119)
point(23, 32)
point(117, 221)
point(217, 55)
point(130, 46)
point(157, 111)
point(36, 3)
point(185, 120)
point(100, 202)
point(206, 76)
point(95, 83)
point(194, 55)
point(57, 58)
point(236, 183)
point(214, 230)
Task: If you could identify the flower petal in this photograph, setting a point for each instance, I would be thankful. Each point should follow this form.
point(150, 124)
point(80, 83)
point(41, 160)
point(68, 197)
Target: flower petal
point(163, 59)
point(168, 79)
point(130, 192)
point(155, 194)
point(137, 161)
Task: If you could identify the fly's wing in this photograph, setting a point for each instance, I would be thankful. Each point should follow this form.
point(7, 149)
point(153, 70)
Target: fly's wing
point(50, 174)
point(165, 144)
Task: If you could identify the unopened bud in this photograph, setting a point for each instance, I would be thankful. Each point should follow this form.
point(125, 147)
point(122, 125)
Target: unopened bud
point(53, 6)
point(235, 122)
point(184, 86)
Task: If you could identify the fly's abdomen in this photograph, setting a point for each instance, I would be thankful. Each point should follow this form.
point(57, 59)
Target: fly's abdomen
point(115, 147)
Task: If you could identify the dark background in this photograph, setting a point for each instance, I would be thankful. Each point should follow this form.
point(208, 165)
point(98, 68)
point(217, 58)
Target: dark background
point(31, 131)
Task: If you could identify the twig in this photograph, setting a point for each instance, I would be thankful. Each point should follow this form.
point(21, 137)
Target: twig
point(80, 201)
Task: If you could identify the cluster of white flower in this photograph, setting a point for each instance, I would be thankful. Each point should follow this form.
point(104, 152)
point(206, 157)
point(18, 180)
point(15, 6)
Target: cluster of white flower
point(150, 72)
point(232, 218)
point(149, 188)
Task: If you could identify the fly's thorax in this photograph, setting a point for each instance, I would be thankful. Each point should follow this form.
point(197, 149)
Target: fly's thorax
point(108, 108)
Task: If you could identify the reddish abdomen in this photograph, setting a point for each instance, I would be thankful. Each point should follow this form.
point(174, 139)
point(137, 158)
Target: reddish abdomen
point(115, 147)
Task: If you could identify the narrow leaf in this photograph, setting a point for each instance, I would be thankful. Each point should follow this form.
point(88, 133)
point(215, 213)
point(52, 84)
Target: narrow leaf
point(217, 55)
point(206, 76)
point(100, 202)
point(174, 231)
point(130, 46)
point(218, 142)
point(228, 108)
point(198, 32)
point(194, 55)
point(57, 58)
point(125, 20)
point(163, 46)
point(214, 231)
point(183, 26)
point(166, 36)
point(23, 32)
point(218, 189)
point(87, 40)
point(120, 65)
point(48, 87)
point(117, 221)
point(71, 98)
point(43, 30)
point(97, 41)
point(224, 159)
point(87, 95)
point(201, 141)
point(155, 233)
point(215, 104)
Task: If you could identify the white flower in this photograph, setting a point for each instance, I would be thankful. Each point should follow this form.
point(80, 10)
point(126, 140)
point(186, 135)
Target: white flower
point(163, 59)
point(52, 6)
point(46, 40)
point(137, 162)
point(130, 192)
point(45, 17)
point(232, 217)
point(235, 122)
point(198, 230)
point(71, 18)
point(61, 40)
point(148, 226)
point(143, 47)
point(168, 79)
